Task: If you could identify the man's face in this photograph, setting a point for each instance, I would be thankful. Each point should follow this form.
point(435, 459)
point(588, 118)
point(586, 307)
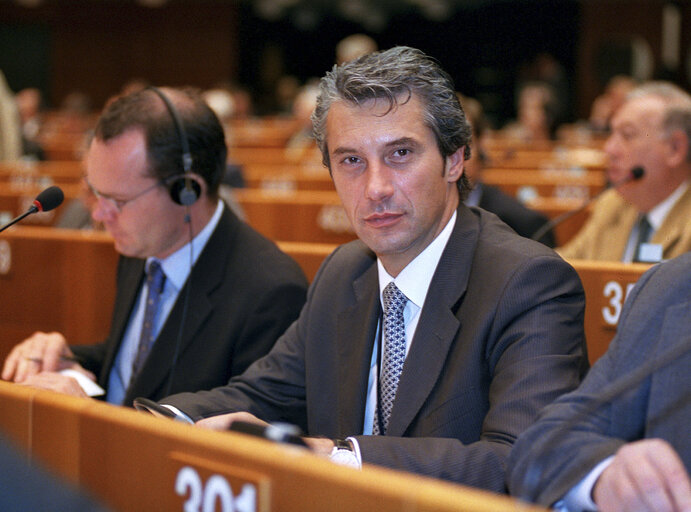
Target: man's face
point(637, 139)
point(146, 222)
point(397, 189)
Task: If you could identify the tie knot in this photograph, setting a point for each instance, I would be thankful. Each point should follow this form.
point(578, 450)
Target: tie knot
point(155, 276)
point(644, 222)
point(394, 300)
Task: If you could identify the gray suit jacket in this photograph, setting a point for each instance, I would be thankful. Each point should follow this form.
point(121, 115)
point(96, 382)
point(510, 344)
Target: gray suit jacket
point(548, 461)
point(245, 293)
point(499, 336)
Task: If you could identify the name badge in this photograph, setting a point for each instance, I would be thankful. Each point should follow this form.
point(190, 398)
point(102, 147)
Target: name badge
point(650, 253)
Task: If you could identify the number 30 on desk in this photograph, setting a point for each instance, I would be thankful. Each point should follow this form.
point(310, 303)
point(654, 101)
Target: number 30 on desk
point(204, 496)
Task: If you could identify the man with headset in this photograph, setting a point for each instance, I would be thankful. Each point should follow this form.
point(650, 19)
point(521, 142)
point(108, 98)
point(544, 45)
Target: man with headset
point(200, 294)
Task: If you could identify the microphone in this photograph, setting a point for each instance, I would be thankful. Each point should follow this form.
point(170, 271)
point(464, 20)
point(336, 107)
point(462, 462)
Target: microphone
point(606, 395)
point(277, 432)
point(47, 200)
point(636, 174)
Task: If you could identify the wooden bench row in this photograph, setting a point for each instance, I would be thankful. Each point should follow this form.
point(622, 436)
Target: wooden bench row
point(64, 280)
point(136, 462)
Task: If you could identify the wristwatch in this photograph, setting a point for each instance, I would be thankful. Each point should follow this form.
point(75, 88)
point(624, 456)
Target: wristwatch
point(343, 453)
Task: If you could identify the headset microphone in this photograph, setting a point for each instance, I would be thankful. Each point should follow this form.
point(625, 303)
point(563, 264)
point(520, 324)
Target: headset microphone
point(184, 190)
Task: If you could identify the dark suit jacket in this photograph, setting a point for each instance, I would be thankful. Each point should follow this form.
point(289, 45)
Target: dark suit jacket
point(499, 336)
point(524, 221)
point(548, 461)
point(245, 293)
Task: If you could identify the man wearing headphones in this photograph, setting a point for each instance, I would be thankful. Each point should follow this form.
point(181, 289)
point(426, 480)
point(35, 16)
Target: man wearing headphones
point(200, 294)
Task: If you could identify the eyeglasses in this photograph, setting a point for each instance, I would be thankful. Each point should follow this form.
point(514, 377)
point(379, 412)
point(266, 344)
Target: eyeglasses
point(118, 204)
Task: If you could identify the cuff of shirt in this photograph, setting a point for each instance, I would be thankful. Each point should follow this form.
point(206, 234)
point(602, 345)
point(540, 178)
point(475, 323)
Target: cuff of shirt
point(580, 497)
point(356, 450)
point(347, 456)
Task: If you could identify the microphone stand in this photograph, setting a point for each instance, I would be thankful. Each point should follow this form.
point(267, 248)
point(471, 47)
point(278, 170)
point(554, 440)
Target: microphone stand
point(31, 210)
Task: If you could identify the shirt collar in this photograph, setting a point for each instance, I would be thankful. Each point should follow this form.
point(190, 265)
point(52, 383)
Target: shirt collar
point(657, 215)
point(177, 266)
point(415, 278)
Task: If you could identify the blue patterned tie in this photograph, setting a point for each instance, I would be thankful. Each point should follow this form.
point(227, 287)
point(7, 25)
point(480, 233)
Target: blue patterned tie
point(393, 355)
point(155, 281)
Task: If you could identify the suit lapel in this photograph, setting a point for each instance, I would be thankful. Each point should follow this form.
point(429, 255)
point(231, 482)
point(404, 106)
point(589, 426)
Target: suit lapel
point(356, 330)
point(438, 326)
point(613, 241)
point(156, 369)
point(674, 225)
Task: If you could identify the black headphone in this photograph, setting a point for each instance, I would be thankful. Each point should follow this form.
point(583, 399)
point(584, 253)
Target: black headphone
point(183, 189)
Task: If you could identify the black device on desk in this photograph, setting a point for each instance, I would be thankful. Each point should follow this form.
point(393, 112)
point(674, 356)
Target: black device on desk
point(147, 405)
point(277, 432)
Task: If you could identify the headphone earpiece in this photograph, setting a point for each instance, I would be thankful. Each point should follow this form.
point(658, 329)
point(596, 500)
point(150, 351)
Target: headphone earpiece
point(184, 190)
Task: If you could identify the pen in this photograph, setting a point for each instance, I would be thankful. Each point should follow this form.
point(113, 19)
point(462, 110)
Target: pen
point(64, 358)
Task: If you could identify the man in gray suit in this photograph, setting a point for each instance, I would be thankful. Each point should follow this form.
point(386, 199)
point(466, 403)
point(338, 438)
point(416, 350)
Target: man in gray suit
point(631, 451)
point(489, 325)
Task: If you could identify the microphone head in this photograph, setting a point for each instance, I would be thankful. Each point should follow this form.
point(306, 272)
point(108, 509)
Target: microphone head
point(50, 198)
point(637, 173)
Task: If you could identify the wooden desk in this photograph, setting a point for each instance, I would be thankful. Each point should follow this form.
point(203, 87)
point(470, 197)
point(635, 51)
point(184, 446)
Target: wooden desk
point(135, 462)
point(287, 177)
point(566, 185)
point(296, 216)
point(606, 286)
point(16, 199)
point(55, 280)
point(64, 280)
point(42, 173)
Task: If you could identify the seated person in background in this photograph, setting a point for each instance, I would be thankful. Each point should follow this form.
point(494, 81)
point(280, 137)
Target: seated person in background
point(621, 441)
point(644, 219)
point(200, 294)
point(609, 101)
point(524, 221)
point(76, 214)
point(10, 124)
point(29, 104)
point(433, 340)
point(536, 114)
point(354, 46)
point(220, 100)
point(301, 143)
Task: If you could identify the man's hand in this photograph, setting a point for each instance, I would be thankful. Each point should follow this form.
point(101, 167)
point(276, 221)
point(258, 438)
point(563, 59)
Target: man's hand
point(320, 445)
point(224, 421)
point(38, 353)
point(55, 382)
point(646, 475)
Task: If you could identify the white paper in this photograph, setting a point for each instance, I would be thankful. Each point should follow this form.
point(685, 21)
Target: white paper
point(88, 385)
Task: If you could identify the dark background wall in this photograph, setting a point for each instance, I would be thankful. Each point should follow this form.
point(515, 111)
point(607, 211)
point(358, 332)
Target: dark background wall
point(96, 46)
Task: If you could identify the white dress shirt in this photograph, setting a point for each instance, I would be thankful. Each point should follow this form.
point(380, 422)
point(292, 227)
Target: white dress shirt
point(413, 281)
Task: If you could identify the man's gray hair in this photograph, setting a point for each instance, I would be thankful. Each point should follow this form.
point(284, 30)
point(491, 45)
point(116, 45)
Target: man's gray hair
point(677, 113)
point(396, 75)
